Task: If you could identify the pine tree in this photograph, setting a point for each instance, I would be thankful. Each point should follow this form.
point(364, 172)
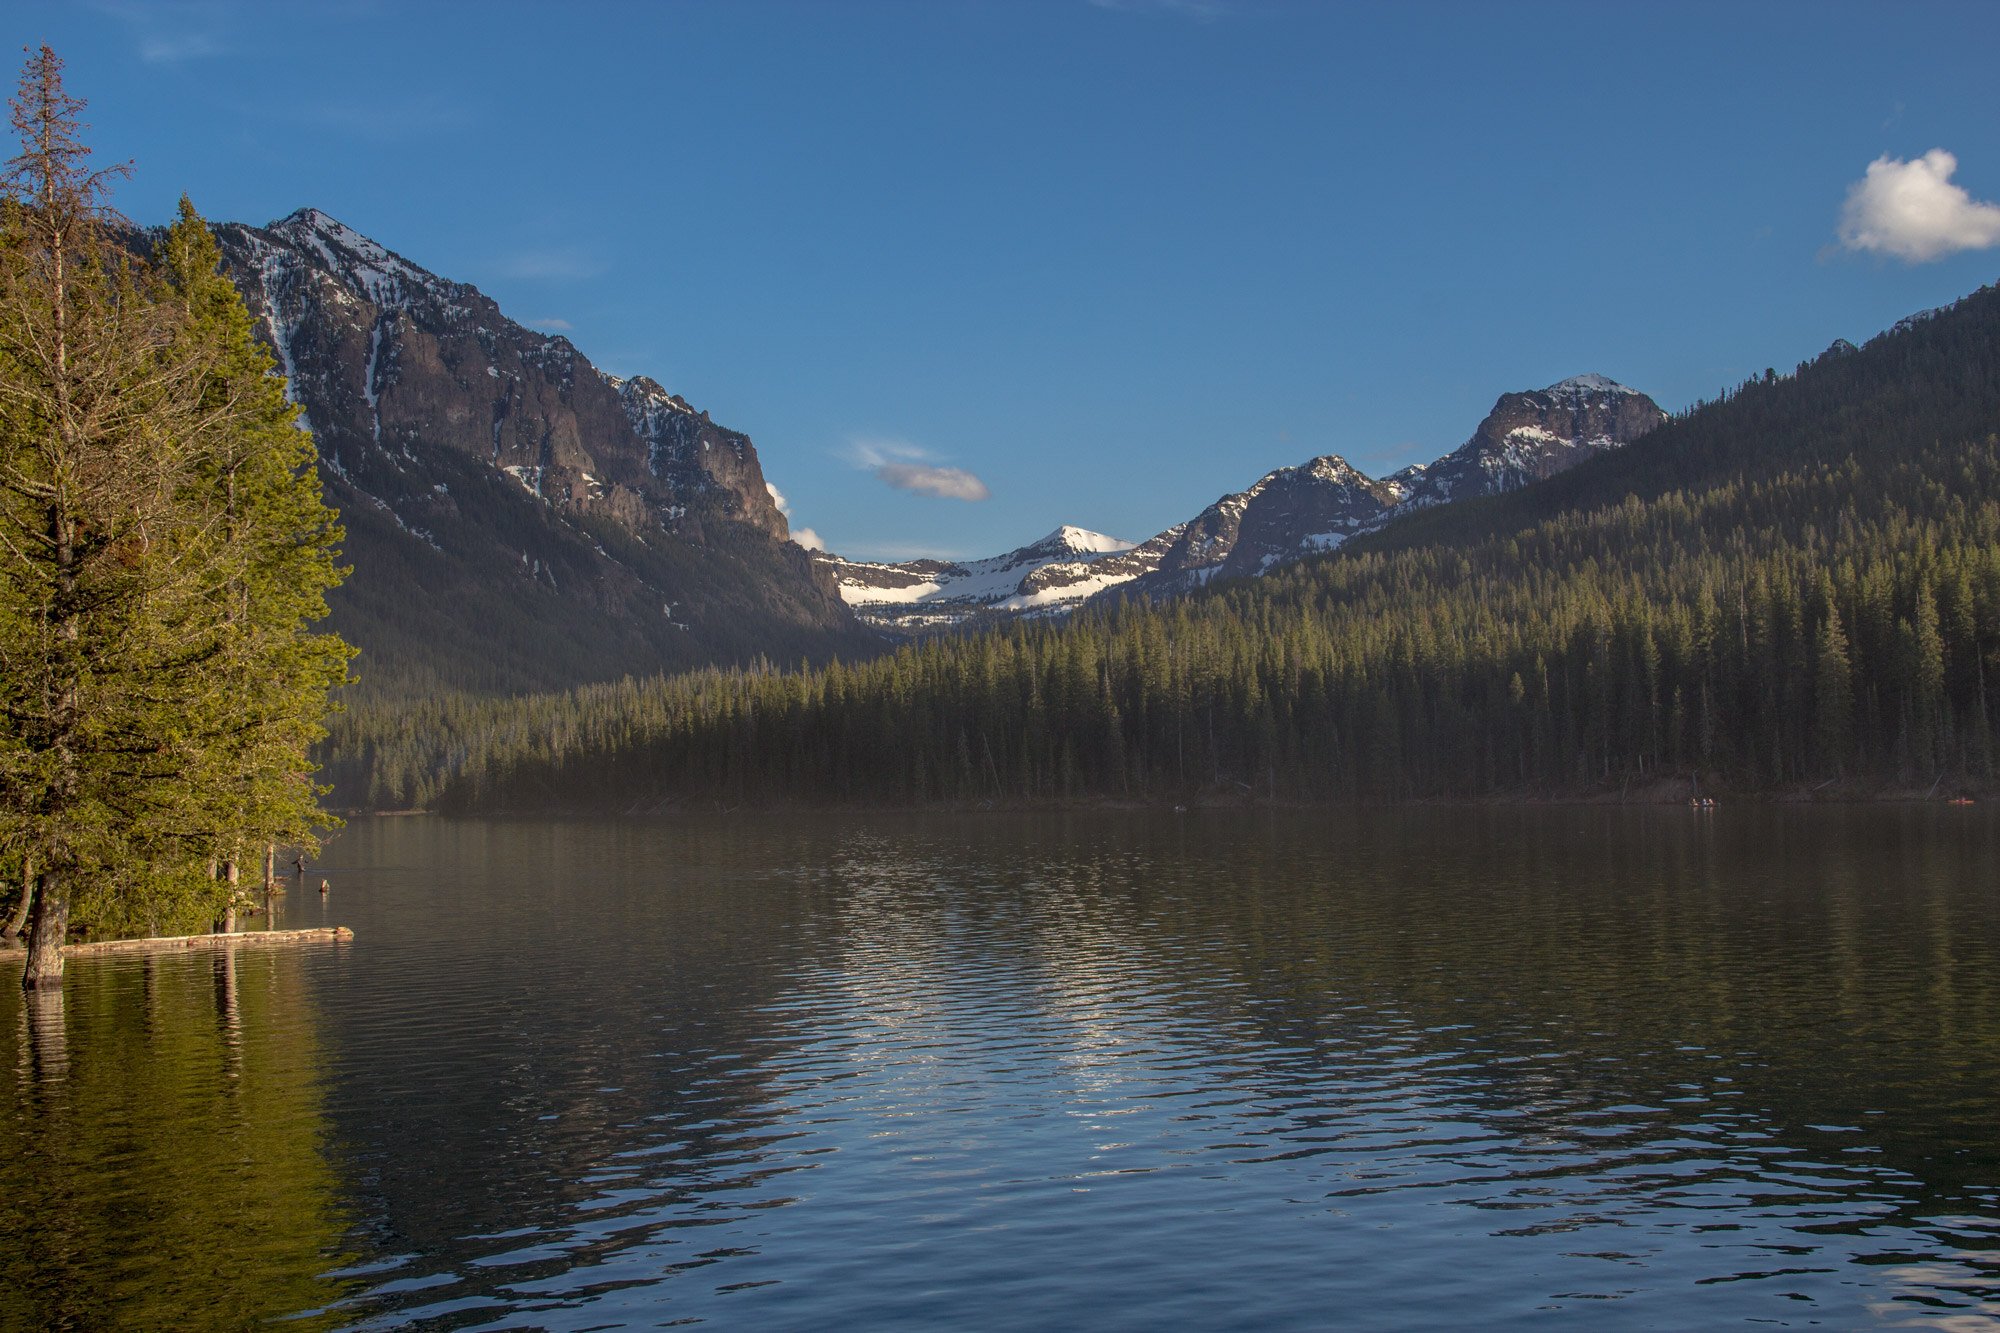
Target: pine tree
point(1833, 689)
point(93, 449)
point(273, 676)
point(162, 547)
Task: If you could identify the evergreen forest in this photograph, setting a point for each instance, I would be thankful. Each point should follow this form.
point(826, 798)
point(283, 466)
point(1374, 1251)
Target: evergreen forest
point(1794, 588)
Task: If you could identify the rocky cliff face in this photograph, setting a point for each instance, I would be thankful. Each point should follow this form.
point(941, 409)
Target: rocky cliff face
point(556, 524)
point(1287, 515)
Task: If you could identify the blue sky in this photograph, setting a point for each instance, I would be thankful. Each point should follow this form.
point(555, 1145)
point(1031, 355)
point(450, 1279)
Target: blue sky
point(1097, 261)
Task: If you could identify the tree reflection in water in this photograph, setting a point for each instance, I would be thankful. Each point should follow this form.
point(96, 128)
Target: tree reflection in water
point(163, 1165)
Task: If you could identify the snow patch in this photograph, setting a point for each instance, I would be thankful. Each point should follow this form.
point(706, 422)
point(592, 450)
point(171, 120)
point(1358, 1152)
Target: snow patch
point(1083, 539)
point(368, 388)
point(1576, 384)
point(362, 264)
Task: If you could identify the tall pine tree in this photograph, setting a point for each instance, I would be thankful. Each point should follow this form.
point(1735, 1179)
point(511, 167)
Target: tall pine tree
point(162, 551)
point(279, 542)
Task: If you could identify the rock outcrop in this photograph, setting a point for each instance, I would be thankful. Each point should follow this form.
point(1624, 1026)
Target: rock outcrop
point(517, 518)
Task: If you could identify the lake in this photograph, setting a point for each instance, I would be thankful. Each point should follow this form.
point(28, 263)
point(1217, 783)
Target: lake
point(1385, 1069)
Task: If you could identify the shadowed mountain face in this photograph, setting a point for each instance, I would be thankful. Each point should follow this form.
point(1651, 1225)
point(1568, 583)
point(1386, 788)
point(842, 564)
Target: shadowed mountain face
point(1287, 515)
point(516, 518)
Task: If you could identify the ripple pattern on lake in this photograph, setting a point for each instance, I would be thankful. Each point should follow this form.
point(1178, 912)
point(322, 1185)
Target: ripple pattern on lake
point(1412, 1070)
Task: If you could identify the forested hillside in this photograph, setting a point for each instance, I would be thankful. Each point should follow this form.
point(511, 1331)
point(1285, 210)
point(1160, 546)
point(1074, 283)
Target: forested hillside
point(1795, 586)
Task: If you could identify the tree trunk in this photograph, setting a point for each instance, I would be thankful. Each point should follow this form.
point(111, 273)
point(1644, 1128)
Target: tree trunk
point(231, 877)
point(18, 922)
point(270, 868)
point(47, 925)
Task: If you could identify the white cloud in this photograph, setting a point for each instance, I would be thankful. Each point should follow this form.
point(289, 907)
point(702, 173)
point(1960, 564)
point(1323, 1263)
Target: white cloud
point(805, 537)
point(871, 452)
point(1912, 210)
point(945, 483)
point(559, 325)
point(908, 467)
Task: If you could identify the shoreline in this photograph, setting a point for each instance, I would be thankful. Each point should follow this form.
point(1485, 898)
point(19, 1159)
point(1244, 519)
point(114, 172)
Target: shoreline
point(1664, 794)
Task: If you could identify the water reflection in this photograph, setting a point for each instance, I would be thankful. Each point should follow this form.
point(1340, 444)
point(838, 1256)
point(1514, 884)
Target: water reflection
point(1414, 1067)
point(44, 1043)
point(164, 1161)
point(1401, 1069)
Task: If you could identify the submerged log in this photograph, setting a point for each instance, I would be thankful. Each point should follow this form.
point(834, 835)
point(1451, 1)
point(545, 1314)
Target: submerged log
point(170, 943)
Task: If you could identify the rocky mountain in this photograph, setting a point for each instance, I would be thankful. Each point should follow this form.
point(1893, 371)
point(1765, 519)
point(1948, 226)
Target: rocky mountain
point(517, 518)
point(1287, 515)
point(1529, 437)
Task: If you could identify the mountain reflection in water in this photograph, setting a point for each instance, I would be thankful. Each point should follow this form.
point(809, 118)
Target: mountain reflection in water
point(1391, 1069)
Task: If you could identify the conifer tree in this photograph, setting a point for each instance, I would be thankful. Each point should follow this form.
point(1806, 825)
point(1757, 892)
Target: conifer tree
point(162, 548)
point(272, 675)
point(1833, 689)
point(90, 469)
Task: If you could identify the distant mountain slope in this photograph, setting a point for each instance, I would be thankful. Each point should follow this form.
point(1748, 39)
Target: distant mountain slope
point(1793, 589)
point(1050, 574)
point(1937, 372)
point(516, 518)
point(1285, 516)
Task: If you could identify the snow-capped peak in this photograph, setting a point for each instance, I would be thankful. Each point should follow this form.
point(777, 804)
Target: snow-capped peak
point(363, 264)
point(335, 231)
point(1084, 540)
point(1588, 384)
point(1332, 467)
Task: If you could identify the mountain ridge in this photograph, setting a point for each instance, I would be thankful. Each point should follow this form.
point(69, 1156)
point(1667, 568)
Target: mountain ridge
point(1286, 515)
point(1792, 590)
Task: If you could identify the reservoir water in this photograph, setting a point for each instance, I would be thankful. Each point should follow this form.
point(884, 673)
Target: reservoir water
point(1391, 1069)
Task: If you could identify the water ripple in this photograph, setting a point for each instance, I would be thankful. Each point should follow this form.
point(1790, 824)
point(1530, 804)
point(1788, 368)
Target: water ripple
point(1418, 1069)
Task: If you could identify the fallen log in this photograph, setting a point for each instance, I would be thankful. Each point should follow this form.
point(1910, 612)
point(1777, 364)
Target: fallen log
point(169, 943)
